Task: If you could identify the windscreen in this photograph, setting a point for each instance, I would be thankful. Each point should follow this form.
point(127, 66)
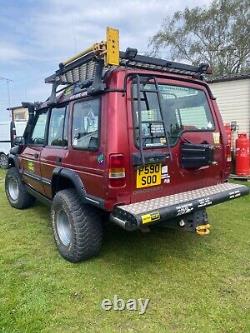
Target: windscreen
point(178, 108)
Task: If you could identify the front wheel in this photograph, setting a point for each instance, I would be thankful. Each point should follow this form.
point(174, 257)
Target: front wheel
point(15, 190)
point(77, 228)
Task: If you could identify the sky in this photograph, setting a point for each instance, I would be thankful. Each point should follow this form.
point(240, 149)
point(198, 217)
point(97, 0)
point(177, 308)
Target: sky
point(36, 35)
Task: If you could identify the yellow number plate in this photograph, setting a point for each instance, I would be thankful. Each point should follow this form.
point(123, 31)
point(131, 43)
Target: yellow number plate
point(148, 175)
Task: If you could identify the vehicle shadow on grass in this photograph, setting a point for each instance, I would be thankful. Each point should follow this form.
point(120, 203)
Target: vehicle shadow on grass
point(156, 245)
point(137, 248)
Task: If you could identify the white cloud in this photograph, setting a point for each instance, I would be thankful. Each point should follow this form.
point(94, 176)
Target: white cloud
point(64, 27)
point(11, 52)
point(67, 27)
point(53, 30)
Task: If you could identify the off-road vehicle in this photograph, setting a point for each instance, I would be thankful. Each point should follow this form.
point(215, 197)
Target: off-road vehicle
point(137, 137)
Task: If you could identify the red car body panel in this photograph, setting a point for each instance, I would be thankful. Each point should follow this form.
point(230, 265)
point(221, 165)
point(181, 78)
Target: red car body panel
point(117, 137)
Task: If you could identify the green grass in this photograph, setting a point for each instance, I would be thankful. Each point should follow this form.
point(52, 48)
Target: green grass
point(195, 284)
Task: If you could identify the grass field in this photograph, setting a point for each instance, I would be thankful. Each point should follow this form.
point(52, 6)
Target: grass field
point(195, 284)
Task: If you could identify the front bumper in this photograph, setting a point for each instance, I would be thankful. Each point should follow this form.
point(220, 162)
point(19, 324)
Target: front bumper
point(136, 215)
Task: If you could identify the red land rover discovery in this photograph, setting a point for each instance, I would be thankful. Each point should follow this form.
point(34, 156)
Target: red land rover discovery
point(142, 140)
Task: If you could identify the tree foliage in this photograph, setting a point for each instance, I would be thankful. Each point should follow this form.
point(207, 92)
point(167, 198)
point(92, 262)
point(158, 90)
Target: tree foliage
point(218, 35)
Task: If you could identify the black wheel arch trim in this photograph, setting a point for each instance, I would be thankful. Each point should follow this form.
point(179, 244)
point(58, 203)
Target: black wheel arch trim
point(13, 159)
point(78, 184)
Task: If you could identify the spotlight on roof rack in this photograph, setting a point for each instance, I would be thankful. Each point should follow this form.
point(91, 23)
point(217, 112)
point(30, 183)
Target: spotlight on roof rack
point(205, 68)
point(61, 65)
point(130, 53)
point(209, 70)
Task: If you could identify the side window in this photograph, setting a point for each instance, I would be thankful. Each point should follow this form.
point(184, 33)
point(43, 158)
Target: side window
point(57, 131)
point(85, 129)
point(38, 133)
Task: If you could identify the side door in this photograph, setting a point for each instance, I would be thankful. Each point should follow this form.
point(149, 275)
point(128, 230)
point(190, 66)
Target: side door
point(30, 157)
point(86, 148)
point(56, 149)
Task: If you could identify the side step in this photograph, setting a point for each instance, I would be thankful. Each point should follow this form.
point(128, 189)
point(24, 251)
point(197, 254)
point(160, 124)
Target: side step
point(133, 216)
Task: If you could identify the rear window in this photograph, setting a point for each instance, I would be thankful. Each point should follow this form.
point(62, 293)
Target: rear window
point(183, 109)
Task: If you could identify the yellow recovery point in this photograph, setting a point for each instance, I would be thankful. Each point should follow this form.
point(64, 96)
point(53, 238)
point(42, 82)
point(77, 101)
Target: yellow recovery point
point(203, 229)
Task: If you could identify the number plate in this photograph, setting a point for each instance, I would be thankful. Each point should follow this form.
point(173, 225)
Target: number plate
point(148, 175)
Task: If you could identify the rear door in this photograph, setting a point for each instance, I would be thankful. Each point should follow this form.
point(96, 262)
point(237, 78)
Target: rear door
point(53, 154)
point(30, 157)
point(171, 115)
point(86, 150)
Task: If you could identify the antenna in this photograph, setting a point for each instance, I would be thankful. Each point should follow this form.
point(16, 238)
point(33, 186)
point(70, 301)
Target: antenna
point(7, 80)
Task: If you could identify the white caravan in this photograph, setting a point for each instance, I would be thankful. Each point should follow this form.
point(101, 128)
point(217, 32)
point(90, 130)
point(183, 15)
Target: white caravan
point(5, 138)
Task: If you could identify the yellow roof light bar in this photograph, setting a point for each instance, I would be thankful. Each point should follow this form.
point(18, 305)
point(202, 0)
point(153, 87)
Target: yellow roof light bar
point(109, 49)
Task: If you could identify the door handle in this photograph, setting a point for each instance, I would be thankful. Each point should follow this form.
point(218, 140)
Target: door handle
point(36, 155)
point(58, 160)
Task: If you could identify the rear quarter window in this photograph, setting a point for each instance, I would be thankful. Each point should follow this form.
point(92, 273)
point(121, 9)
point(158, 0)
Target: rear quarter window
point(85, 129)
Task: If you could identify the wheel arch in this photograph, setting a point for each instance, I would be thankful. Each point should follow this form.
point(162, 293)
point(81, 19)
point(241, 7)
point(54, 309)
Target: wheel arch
point(13, 161)
point(63, 178)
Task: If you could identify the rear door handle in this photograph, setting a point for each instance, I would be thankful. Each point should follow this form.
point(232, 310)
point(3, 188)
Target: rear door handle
point(58, 160)
point(36, 155)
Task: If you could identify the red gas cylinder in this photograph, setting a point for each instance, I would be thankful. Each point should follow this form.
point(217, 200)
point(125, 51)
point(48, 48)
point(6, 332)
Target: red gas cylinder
point(242, 155)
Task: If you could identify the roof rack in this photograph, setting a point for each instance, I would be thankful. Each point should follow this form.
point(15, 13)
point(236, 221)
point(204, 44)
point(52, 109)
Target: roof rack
point(87, 67)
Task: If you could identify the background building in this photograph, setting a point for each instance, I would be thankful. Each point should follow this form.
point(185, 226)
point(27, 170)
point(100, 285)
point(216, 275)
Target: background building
point(233, 97)
point(19, 113)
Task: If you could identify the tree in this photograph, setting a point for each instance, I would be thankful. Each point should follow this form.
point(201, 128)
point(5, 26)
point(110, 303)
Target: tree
point(218, 35)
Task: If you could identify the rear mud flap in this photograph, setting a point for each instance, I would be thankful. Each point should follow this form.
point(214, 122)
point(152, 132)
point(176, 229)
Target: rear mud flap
point(133, 216)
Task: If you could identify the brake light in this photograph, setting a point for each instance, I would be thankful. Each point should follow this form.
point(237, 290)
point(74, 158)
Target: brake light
point(228, 131)
point(117, 172)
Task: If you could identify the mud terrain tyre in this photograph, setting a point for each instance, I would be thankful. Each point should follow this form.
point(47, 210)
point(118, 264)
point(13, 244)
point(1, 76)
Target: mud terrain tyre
point(15, 190)
point(77, 228)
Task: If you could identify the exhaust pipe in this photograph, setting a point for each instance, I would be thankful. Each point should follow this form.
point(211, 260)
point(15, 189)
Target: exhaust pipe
point(126, 225)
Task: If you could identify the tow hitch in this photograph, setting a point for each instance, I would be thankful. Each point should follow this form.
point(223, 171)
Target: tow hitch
point(203, 229)
point(196, 222)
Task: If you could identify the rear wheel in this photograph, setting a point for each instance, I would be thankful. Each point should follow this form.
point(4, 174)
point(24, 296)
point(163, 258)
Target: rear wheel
point(77, 228)
point(15, 190)
point(3, 161)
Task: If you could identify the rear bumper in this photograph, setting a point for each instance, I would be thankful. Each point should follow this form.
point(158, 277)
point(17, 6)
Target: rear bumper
point(133, 216)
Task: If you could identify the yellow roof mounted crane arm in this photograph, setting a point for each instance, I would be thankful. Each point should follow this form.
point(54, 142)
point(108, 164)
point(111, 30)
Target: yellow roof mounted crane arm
point(107, 50)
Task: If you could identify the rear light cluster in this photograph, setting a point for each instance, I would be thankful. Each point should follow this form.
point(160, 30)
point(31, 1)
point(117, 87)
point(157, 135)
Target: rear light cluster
point(117, 172)
point(228, 153)
point(228, 131)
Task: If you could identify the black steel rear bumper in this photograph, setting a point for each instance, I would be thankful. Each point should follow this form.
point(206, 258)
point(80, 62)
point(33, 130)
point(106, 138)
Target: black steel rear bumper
point(133, 216)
